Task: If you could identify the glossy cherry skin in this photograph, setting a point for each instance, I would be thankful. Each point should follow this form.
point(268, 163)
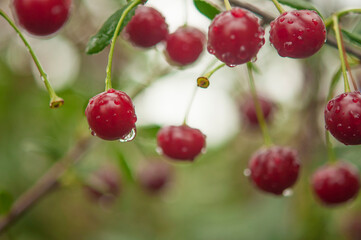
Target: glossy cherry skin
point(146, 28)
point(154, 176)
point(298, 33)
point(181, 142)
point(42, 17)
point(343, 117)
point(336, 183)
point(248, 110)
point(185, 45)
point(274, 169)
point(235, 36)
point(111, 115)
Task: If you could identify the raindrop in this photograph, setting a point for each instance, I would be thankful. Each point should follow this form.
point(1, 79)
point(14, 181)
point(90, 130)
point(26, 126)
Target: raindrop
point(159, 150)
point(299, 38)
point(254, 59)
point(355, 100)
point(338, 109)
point(204, 150)
point(92, 132)
point(242, 48)
point(287, 192)
point(290, 21)
point(117, 102)
point(247, 172)
point(129, 137)
point(232, 37)
point(282, 19)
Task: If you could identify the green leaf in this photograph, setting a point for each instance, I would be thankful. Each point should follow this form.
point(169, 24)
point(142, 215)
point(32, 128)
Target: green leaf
point(207, 9)
point(299, 4)
point(148, 131)
point(353, 37)
point(335, 79)
point(104, 36)
point(6, 201)
point(124, 166)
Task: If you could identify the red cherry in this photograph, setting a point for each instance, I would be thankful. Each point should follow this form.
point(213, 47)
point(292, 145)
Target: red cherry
point(298, 33)
point(181, 142)
point(235, 36)
point(343, 117)
point(154, 176)
point(248, 110)
point(274, 169)
point(111, 116)
point(336, 183)
point(146, 28)
point(184, 46)
point(42, 17)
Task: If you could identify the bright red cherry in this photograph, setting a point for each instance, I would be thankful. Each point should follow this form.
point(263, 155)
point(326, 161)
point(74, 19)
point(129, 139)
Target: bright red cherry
point(111, 116)
point(248, 109)
point(336, 183)
point(181, 142)
point(235, 36)
point(274, 169)
point(42, 17)
point(146, 28)
point(343, 117)
point(154, 176)
point(184, 46)
point(298, 33)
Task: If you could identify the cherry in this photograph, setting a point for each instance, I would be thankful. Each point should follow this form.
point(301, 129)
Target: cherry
point(154, 176)
point(274, 169)
point(184, 46)
point(111, 116)
point(343, 117)
point(146, 28)
point(42, 17)
point(181, 142)
point(248, 109)
point(298, 33)
point(235, 36)
point(104, 185)
point(336, 183)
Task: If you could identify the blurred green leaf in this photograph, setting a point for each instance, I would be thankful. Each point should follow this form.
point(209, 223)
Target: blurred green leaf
point(207, 9)
point(6, 201)
point(335, 79)
point(299, 4)
point(352, 37)
point(148, 131)
point(104, 36)
point(124, 167)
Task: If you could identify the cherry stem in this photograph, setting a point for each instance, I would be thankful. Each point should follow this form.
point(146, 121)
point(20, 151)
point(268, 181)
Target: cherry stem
point(330, 150)
point(257, 104)
point(55, 101)
point(228, 5)
point(185, 13)
point(190, 105)
point(341, 51)
point(340, 14)
point(278, 6)
point(108, 81)
point(354, 84)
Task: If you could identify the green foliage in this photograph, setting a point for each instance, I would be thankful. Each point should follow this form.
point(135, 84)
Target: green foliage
point(352, 37)
point(299, 4)
point(207, 9)
point(6, 201)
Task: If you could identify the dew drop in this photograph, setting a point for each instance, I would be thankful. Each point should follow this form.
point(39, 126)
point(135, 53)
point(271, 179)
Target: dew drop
point(242, 48)
point(287, 192)
point(330, 105)
point(232, 37)
point(339, 126)
point(91, 101)
point(247, 172)
point(338, 109)
point(204, 150)
point(299, 38)
point(254, 59)
point(355, 100)
point(314, 21)
point(117, 102)
point(159, 150)
point(184, 149)
point(92, 132)
point(97, 117)
point(129, 137)
point(282, 19)
point(290, 21)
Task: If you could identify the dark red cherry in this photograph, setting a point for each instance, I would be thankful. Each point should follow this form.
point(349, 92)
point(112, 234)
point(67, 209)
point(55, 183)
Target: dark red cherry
point(154, 176)
point(343, 117)
point(42, 17)
point(298, 33)
point(185, 45)
point(235, 36)
point(181, 142)
point(336, 183)
point(111, 116)
point(146, 28)
point(274, 169)
point(248, 109)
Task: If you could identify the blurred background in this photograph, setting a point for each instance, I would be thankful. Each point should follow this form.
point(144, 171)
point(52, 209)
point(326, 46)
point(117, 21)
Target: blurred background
point(209, 199)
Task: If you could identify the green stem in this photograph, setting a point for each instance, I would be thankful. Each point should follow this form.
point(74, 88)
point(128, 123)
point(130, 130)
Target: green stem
point(337, 30)
point(210, 73)
point(259, 112)
point(228, 6)
point(185, 13)
point(331, 152)
point(340, 14)
point(278, 6)
point(55, 101)
point(190, 105)
point(108, 81)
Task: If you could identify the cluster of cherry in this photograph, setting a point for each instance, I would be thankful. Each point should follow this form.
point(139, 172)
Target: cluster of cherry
point(234, 37)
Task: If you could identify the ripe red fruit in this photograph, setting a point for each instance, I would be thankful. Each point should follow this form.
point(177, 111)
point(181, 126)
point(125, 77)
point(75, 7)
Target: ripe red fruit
point(184, 46)
point(42, 17)
point(235, 36)
point(111, 116)
point(336, 183)
point(274, 169)
point(298, 33)
point(154, 176)
point(181, 142)
point(146, 28)
point(248, 109)
point(343, 117)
